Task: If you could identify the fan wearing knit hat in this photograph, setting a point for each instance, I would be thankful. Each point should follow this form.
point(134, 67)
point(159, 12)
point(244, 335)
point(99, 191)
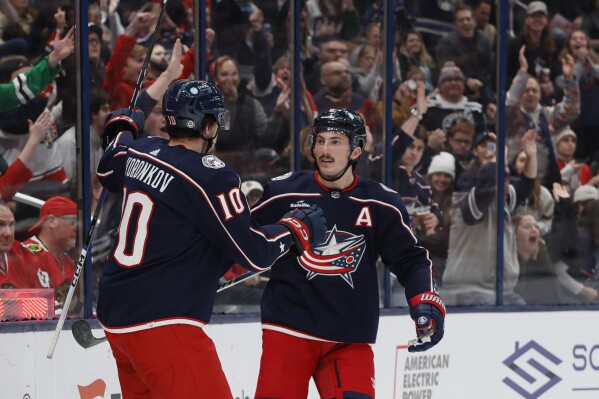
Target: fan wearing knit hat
point(450, 71)
point(441, 175)
point(55, 234)
point(450, 106)
point(443, 163)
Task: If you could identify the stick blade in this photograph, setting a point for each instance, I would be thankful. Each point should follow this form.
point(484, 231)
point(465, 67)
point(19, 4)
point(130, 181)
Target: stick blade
point(83, 334)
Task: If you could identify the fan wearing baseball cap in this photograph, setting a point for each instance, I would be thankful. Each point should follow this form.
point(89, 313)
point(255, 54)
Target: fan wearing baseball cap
point(535, 7)
point(54, 236)
point(542, 49)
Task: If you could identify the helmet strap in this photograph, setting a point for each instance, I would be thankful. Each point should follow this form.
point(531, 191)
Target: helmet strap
point(209, 146)
point(210, 142)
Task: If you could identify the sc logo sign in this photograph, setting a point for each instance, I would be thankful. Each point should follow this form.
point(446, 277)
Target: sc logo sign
point(584, 357)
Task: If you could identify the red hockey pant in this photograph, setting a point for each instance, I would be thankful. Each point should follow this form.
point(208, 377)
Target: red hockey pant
point(339, 370)
point(175, 361)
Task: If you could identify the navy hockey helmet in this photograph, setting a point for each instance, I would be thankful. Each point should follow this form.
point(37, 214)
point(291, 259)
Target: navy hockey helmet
point(187, 102)
point(340, 120)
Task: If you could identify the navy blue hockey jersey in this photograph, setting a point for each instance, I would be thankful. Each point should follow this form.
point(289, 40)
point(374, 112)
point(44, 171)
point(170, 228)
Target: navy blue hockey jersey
point(183, 216)
point(331, 292)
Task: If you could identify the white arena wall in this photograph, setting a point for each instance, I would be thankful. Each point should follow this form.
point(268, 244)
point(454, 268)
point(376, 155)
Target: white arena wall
point(546, 355)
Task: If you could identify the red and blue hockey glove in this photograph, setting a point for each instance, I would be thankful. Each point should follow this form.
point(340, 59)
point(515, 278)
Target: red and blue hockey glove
point(307, 226)
point(428, 312)
point(121, 120)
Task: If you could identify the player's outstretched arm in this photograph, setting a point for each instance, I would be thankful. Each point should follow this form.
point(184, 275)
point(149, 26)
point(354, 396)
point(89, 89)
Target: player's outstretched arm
point(428, 312)
point(307, 226)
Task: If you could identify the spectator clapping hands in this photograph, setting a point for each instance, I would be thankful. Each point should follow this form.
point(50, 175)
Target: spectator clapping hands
point(568, 66)
point(210, 36)
point(282, 104)
point(522, 59)
point(529, 142)
point(175, 68)
point(421, 100)
point(41, 125)
point(37, 133)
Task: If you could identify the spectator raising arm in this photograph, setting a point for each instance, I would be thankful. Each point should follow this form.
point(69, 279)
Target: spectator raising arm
point(148, 99)
point(26, 86)
point(19, 172)
point(172, 72)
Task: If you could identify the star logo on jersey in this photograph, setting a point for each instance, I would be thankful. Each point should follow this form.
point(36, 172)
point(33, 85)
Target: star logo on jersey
point(339, 255)
point(211, 161)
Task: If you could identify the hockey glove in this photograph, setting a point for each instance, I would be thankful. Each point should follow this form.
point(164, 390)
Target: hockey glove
point(428, 312)
point(120, 120)
point(307, 226)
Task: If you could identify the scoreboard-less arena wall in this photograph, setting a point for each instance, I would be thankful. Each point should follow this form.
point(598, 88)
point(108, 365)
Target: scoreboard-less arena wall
point(546, 355)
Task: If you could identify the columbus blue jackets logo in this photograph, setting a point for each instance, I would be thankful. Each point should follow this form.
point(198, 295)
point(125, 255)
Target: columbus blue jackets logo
point(338, 256)
point(211, 161)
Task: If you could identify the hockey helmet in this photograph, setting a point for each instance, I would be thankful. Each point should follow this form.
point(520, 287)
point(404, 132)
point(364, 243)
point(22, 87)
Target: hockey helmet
point(187, 102)
point(340, 120)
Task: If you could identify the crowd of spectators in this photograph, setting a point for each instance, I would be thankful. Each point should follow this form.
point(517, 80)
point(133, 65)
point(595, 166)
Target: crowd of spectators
point(444, 114)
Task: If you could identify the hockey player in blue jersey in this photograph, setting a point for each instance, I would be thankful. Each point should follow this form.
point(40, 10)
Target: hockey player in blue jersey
point(183, 218)
point(320, 311)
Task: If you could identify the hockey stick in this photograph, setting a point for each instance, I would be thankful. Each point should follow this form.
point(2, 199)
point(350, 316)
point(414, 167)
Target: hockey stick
point(238, 279)
point(82, 331)
point(83, 255)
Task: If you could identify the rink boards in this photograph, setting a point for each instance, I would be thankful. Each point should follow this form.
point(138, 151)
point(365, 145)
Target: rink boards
point(547, 355)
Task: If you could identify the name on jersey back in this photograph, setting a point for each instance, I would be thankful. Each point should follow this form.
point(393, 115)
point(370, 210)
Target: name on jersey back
point(148, 174)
